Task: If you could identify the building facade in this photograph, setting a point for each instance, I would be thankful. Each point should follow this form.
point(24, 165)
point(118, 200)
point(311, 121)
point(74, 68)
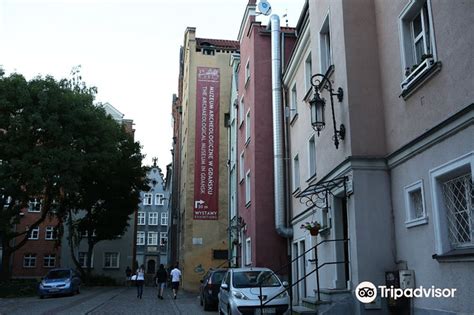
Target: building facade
point(391, 188)
point(152, 223)
point(202, 201)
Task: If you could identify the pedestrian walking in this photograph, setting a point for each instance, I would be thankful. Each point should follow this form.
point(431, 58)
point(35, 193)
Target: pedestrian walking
point(175, 279)
point(128, 275)
point(160, 280)
point(140, 280)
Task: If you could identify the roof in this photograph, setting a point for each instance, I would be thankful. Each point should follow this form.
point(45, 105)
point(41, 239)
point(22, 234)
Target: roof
point(217, 43)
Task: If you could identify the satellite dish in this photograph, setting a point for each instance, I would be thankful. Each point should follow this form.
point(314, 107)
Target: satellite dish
point(264, 7)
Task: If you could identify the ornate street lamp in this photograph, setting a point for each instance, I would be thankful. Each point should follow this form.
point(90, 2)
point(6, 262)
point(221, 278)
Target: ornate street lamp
point(316, 104)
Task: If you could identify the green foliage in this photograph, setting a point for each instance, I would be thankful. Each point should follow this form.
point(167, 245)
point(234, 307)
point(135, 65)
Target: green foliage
point(18, 288)
point(101, 281)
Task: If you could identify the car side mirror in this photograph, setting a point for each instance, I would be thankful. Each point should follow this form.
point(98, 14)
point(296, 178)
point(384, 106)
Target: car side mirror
point(224, 286)
point(285, 284)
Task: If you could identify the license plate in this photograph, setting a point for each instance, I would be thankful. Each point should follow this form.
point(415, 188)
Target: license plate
point(53, 290)
point(267, 310)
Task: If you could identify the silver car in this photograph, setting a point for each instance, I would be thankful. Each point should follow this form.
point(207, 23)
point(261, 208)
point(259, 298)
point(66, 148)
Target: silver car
point(240, 292)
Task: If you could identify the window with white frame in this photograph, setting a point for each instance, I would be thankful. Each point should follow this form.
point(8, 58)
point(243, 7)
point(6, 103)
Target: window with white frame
point(152, 238)
point(29, 261)
point(241, 111)
point(152, 218)
point(33, 234)
point(163, 238)
point(247, 127)
point(247, 71)
point(147, 198)
point(293, 102)
point(49, 261)
point(296, 173)
point(416, 40)
point(242, 167)
point(34, 205)
point(164, 218)
point(159, 199)
point(453, 204)
point(247, 188)
point(141, 218)
point(82, 258)
point(308, 72)
point(325, 46)
point(111, 260)
point(415, 204)
point(140, 238)
point(248, 251)
point(50, 233)
point(312, 156)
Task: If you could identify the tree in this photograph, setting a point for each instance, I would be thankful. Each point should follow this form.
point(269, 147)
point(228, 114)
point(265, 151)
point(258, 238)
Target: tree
point(39, 132)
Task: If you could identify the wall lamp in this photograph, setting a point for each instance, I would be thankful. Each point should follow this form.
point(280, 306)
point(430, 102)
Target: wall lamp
point(321, 82)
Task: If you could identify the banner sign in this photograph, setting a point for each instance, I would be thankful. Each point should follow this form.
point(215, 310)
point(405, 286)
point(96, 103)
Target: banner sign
point(206, 164)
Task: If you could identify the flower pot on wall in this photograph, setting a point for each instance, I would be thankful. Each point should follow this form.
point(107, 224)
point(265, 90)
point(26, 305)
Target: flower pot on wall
point(314, 231)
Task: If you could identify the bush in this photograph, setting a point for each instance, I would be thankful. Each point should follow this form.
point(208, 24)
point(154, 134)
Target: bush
point(18, 288)
point(101, 281)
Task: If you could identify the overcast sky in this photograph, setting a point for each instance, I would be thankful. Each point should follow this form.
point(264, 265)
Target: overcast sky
point(128, 49)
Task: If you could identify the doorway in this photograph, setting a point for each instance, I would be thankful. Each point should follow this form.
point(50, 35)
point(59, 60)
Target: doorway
point(341, 229)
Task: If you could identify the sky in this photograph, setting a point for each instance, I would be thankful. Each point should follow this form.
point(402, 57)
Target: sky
point(128, 49)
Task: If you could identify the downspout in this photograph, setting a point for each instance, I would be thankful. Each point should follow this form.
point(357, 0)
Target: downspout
point(278, 162)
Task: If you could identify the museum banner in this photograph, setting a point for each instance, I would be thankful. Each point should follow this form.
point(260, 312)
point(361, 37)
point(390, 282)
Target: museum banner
point(206, 164)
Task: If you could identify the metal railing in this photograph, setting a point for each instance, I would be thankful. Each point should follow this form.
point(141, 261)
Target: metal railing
point(316, 270)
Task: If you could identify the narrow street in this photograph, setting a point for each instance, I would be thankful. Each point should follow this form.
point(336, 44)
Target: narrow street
point(105, 300)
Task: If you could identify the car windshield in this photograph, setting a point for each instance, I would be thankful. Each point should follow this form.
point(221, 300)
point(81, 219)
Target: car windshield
point(250, 279)
point(217, 276)
point(58, 274)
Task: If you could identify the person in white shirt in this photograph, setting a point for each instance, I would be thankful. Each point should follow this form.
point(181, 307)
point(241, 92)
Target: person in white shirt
point(140, 280)
point(175, 279)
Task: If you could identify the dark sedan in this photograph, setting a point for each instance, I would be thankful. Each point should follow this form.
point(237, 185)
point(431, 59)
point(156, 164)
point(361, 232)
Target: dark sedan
point(59, 281)
point(210, 286)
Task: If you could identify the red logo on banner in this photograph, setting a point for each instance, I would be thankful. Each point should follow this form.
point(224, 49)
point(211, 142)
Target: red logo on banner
point(206, 169)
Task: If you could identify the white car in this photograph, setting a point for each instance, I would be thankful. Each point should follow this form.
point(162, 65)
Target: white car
point(240, 292)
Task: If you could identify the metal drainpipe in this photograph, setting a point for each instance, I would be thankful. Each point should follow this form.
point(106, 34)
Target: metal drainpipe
point(279, 169)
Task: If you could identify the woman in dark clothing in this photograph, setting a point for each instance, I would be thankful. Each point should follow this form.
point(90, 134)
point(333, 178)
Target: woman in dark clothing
point(161, 278)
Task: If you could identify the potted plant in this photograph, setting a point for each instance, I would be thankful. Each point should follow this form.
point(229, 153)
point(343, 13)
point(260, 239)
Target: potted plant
point(313, 227)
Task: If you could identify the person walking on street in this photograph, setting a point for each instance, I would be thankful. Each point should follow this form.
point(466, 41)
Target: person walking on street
point(140, 281)
point(128, 275)
point(175, 278)
point(160, 278)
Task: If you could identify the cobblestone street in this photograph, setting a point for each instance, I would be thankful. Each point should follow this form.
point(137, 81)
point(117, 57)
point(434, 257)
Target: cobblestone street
point(106, 301)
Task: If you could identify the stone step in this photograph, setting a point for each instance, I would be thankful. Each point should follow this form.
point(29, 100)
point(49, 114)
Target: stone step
point(333, 294)
point(303, 310)
point(313, 303)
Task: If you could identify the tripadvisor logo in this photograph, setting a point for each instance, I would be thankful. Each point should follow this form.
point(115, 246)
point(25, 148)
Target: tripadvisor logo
point(366, 292)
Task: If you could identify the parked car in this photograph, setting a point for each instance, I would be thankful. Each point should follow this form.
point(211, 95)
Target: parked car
point(210, 286)
point(59, 281)
point(240, 292)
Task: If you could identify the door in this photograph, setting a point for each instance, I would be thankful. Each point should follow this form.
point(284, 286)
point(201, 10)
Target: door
point(341, 228)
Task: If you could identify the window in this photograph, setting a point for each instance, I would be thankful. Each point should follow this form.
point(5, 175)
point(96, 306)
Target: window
point(140, 238)
point(241, 111)
point(49, 261)
point(247, 188)
point(159, 199)
point(293, 103)
point(147, 199)
point(82, 258)
point(111, 260)
point(416, 42)
point(50, 233)
point(308, 72)
point(312, 156)
point(33, 234)
point(296, 173)
point(242, 167)
point(141, 218)
point(163, 238)
point(152, 238)
point(34, 205)
point(248, 251)
point(453, 204)
point(325, 46)
point(29, 261)
point(247, 127)
point(153, 218)
point(415, 204)
point(164, 218)
point(247, 71)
